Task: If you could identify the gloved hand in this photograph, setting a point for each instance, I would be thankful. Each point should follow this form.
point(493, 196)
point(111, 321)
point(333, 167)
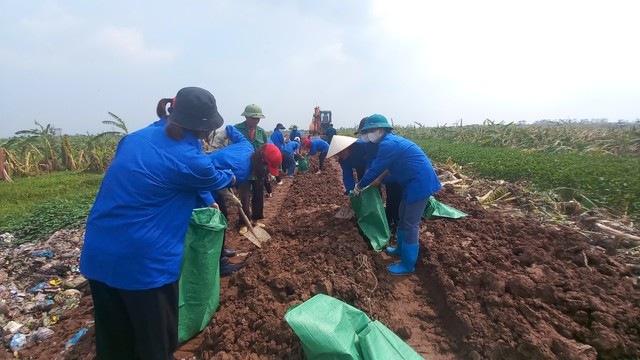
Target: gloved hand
point(356, 191)
point(229, 198)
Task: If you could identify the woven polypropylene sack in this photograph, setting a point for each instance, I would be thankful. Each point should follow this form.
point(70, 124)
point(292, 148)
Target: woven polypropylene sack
point(200, 272)
point(436, 209)
point(303, 165)
point(377, 342)
point(372, 219)
point(327, 328)
point(331, 329)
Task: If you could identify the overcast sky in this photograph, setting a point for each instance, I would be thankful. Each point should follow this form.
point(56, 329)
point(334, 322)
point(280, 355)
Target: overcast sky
point(68, 63)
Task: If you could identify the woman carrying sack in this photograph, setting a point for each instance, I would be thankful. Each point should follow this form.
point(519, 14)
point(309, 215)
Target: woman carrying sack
point(411, 168)
point(135, 232)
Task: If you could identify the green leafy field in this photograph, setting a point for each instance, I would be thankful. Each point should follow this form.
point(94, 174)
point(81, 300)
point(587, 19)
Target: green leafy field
point(609, 181)
point(601, 164)
point(35, 207)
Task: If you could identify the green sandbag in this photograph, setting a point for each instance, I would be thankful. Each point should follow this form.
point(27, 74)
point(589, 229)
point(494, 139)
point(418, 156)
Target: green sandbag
point(327, 327)
point(372, 220)
point(331, 329)
point(436, 209)
point(200, 271)
point(303, 164)
point(379, 343)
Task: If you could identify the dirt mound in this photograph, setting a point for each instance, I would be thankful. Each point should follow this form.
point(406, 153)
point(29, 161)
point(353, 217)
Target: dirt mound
point(520, 290)
point(486, 286)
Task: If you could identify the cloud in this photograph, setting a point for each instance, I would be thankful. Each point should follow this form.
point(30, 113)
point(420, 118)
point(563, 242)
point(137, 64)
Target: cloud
point(129, 44)
point(47, 21)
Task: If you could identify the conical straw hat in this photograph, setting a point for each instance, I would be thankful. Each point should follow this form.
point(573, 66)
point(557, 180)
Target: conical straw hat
point(339, 143)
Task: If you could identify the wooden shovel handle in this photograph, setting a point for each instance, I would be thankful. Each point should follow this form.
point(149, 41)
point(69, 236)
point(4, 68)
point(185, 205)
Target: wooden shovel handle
point(378, 180)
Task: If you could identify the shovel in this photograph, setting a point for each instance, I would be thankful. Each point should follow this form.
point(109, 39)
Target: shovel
point(346, 212)
point(256, 235)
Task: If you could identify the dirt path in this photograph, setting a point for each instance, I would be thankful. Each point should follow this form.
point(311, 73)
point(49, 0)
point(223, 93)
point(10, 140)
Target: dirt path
point(312, 252)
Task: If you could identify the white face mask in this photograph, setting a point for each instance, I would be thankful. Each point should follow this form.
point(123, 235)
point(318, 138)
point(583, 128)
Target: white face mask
point(365, 137)
point(375, 136)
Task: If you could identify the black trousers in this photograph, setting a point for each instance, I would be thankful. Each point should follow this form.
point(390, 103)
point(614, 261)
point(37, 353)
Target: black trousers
point(321, 160)
point(394, 196)
point(135, 324)
point(252, 198)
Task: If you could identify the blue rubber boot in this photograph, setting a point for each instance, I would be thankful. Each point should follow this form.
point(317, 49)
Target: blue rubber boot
point(407, 260)
point(397, 250)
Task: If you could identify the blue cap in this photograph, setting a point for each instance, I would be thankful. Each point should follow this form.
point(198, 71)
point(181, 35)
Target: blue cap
point(376, 121)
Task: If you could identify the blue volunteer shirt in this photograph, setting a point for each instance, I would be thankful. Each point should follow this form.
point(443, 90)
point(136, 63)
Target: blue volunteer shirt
point(409, 166)
point(291, 147)
point(235, 157)
point(319, 145)
point(294, 134)
point(162, 122)
point(135, 231)
point(278, 139)
point(357, 159)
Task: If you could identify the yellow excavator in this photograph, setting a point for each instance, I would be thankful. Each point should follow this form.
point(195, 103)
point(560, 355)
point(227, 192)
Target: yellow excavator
point(320, 121)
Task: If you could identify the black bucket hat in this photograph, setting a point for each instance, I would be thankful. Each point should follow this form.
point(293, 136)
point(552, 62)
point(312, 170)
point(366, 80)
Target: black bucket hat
point(195, 109)
point(361, 125)
point(281, 127)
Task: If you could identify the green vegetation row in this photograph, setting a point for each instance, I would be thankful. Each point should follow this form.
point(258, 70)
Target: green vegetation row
point(33, 208)
point(42, 150)
point(601, 138)
point(608, 181)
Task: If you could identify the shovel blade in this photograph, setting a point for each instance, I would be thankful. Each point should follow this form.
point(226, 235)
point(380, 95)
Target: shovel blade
point(345, 212)
point(257, 236)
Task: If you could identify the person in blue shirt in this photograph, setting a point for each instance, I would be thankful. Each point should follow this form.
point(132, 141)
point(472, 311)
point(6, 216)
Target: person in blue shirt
point(393, 190)
point(277, 138)
point(295, 133)
point(330, 132)
point(135, 232)
point(290, 151)
point(412, 169)
point(317, 146)
point(351, 155)
point(208, 200)
point(235, 157)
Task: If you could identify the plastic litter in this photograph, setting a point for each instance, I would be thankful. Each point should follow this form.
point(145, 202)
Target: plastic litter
point(41, 335)
point(12, 327)
point(75, 338)
point(44, 253)
point(38, 287)
point(18, 341)
point(45, 305)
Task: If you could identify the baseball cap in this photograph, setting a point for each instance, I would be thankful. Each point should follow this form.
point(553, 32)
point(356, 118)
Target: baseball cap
point(273, 158)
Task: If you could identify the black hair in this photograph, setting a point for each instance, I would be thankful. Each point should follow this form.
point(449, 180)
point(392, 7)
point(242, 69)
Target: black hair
point(161, 109)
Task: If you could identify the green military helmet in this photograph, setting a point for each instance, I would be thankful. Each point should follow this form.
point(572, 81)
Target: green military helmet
point(294, 127)
point(253, 111)
point(376, 121)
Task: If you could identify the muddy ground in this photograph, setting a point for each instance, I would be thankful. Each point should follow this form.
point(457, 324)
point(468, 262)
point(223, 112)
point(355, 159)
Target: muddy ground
point(487, 286)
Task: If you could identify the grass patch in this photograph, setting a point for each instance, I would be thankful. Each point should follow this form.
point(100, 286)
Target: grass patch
point(33, 208)
point(609, 181)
